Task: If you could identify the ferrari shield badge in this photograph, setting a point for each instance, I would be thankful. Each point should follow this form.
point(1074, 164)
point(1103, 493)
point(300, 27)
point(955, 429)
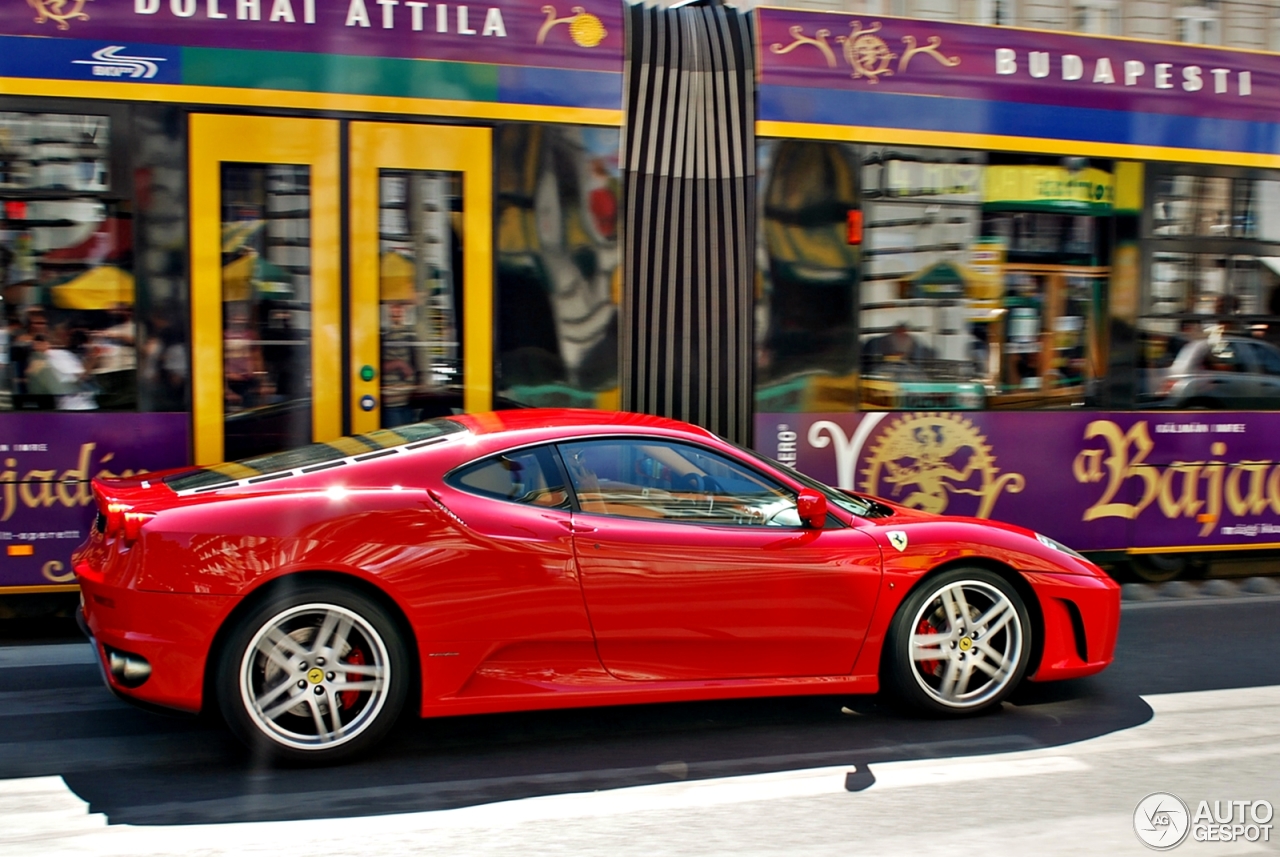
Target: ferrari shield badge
point(898, 539)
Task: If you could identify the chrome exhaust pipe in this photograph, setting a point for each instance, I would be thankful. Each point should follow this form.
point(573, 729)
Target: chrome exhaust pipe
point(129, 669)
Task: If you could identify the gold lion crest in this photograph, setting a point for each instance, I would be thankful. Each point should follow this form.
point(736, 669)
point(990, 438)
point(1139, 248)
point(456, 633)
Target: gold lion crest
point(920, 460)
point(60, 11)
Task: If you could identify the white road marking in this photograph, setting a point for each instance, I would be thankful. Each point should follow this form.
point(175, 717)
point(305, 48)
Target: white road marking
point(50, 655)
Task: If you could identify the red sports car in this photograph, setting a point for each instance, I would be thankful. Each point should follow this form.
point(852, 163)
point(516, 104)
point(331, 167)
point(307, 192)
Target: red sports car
point(552, 558)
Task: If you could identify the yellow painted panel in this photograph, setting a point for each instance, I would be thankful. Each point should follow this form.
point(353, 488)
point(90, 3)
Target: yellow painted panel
point(998, 143)
point(284, 98)
point(39, 588)
point(376, 146)
point(215, 140)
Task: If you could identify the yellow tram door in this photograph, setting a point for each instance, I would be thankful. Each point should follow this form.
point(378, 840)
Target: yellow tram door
point(269, 323)
point(266, 284)
point(420, 321)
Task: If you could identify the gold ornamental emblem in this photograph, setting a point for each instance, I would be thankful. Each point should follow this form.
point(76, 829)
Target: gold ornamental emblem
point(866, 53)
point(61, 12)
point(922, 459)
point(315, 675)
point(585, 29)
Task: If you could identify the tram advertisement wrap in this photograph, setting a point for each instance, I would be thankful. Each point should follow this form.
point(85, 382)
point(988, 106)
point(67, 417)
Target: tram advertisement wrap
point(46, 505)
point(133, 40)
point(1095, 481)
point(873, 53)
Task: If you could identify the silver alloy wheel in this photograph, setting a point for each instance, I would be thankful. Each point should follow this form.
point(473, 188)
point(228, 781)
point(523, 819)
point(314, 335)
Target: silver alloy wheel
point(966, 644)
point(303, 685)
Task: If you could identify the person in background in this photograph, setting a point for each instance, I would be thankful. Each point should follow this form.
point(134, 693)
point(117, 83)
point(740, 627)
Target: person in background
point(56, 371)
point(116, 359)
point(399, 374)
point(22, 346)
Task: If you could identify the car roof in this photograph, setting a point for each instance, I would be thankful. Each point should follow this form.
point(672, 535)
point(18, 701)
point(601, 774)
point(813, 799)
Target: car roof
point(580, 419)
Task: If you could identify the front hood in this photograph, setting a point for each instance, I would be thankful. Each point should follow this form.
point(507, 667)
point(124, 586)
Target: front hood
point(913, 531)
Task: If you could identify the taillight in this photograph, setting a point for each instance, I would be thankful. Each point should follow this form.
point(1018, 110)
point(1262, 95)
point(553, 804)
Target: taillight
point(114, 524)
point(133, 522)
point(122, 521)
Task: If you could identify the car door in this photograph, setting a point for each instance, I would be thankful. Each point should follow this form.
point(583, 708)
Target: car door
point(1266, 360)
point(695, 566)
point(1228, 377)
point(512, 574)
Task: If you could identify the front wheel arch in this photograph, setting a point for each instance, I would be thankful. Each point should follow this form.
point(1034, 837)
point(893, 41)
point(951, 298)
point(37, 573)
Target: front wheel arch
point(208, 701)
point(1012, 576)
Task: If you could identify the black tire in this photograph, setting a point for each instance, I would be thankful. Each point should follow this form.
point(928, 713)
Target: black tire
point(355, 710)
point(988, 662)
point(1160, 568)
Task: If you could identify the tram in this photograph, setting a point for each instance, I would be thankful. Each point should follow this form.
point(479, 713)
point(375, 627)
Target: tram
point(979, 270)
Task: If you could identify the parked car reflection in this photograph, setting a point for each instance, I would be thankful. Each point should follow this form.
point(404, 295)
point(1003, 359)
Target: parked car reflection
point(1223, 372)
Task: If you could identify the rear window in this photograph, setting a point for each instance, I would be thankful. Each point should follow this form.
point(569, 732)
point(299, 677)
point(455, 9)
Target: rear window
point(316, 455)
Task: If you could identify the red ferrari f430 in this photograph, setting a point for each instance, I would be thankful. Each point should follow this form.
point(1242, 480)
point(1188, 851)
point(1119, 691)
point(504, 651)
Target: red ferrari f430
point(552, 558)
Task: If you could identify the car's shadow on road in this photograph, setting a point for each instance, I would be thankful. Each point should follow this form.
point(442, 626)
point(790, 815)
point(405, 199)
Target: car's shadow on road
point(176, 771)
point(192, 771)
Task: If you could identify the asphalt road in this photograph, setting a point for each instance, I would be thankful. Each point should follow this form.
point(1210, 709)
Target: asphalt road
point(140, 768)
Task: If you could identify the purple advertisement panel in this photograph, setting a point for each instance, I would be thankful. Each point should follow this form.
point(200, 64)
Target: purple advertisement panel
point(893, 55)
point(586, 34)
point(1093, 480)
point(46, 505)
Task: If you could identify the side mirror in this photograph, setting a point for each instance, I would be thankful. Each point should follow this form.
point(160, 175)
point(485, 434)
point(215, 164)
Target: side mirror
point(812, 508)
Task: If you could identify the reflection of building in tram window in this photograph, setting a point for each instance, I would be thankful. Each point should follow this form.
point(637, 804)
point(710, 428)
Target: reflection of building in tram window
point(242, 360)
point(285, 355)
point(558, 264)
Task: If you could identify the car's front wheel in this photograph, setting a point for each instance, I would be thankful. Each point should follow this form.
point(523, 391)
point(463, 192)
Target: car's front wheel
point(315, 673)
point(959, 643)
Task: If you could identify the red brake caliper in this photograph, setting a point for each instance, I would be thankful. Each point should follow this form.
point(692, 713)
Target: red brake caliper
point(349, 697)
point(930, 667)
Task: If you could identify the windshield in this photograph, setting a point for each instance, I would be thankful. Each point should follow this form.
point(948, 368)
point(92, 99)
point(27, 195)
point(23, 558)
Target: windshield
point(859, 506)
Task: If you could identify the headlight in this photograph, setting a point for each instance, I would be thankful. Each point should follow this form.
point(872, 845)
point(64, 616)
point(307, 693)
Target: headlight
point(1058, 546)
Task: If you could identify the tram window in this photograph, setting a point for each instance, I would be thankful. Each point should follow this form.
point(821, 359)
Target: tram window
point(806, 317)
point(420, 238)
point(1257, 209)
point(266, 294)
point(558, 264)
point(68, 339)
point(1192, 205)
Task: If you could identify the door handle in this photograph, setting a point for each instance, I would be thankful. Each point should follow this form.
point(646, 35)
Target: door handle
point(569, 525)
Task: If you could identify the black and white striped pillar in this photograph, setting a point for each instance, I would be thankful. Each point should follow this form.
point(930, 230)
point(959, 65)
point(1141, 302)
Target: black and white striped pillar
point(688, 152)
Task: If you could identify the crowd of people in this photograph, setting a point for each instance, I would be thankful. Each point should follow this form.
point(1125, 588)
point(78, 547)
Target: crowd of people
point(80, 361)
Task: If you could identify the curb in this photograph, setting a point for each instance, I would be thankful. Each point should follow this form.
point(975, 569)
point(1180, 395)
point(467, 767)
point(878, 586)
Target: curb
point(1206, 590)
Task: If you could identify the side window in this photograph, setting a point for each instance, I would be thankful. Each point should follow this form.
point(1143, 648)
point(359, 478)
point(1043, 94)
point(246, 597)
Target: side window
point(528, 476)
point(1267, 357)
point(661, 480)
point(1224, 357)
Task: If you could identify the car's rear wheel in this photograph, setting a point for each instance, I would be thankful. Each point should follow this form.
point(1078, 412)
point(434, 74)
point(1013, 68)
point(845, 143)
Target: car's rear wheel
point(959, 643)
point(316, 673)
